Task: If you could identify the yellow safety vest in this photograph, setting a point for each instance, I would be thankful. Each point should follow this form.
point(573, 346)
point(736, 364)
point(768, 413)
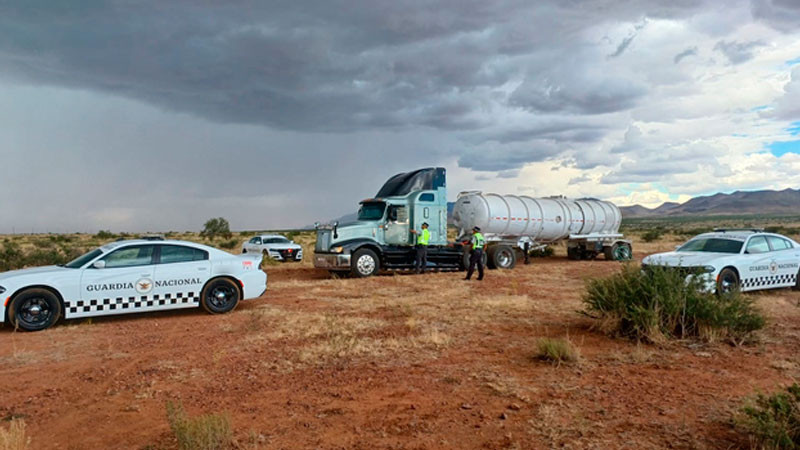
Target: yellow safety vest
point(424, 237)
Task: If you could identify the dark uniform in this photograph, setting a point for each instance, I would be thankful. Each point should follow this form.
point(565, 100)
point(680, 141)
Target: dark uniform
point(476, 258)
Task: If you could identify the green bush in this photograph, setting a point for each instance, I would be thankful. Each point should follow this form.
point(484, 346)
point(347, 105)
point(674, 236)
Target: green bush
point(267, 260)
point(105, 234)
point(774, 421)
point(659, 303)
point(556, 351)
point(229, 244)
point(652, 235)
point(215, 227)
point(204, 432)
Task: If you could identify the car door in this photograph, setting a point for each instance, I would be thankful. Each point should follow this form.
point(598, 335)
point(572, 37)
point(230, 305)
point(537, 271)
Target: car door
point(121, 286)
point(785, 259)
point(255, 245)
point(758, 272)
point(180, 273)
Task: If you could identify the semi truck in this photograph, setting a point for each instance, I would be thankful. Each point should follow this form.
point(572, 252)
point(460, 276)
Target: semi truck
point(381, 238)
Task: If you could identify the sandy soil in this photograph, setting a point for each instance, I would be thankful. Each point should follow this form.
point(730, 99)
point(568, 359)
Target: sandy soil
point(398, 361)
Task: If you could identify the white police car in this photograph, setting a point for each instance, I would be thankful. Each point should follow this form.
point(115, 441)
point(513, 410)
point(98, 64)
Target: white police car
point(275, 246)
point(129, 277)
point(746, 260)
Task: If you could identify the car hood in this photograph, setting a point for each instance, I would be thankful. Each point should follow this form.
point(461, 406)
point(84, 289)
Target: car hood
point(685, 259)
point(33, 271)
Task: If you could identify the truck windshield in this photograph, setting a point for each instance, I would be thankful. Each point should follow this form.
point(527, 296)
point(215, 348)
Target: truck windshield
point(371, 211)
point(714, 245)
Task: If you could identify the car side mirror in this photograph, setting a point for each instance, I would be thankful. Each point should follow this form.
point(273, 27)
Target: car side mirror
point(99, 265)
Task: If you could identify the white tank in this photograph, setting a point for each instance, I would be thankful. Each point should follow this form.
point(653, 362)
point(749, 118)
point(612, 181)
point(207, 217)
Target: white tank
point(541, 219)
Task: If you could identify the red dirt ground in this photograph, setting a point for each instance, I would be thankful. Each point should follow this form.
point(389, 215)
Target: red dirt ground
point(391, 362)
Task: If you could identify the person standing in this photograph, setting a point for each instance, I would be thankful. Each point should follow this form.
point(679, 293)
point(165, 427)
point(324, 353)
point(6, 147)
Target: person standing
point(423, 238)
point(476, 258)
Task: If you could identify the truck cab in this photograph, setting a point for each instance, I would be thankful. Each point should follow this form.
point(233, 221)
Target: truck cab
point(381, 238)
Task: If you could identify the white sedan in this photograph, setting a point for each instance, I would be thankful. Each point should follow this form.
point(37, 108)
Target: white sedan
point(728, 260)
point(275, 246)
point(129, 277)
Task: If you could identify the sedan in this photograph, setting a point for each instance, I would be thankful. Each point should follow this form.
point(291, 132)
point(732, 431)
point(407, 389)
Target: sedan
point(129, 277)
point(730, 260)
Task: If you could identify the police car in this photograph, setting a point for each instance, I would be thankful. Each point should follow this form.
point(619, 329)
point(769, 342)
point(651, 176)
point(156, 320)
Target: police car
point(275, 246)
point(729, 260)
point(130, 277)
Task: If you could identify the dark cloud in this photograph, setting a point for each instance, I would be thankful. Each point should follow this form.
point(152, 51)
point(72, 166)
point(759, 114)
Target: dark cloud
point(738, 52)
point(691, 51)
point(507, 158)
point(783, 15)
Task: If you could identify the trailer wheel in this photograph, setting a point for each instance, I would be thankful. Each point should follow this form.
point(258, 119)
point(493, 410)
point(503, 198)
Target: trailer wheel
point(365, 263)
point(620, 251)
point(502, 257)
point(573, 253)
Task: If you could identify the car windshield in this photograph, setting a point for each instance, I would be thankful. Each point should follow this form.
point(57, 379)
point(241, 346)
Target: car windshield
point(371, 211)
point(80, 261)
point(276, 240)
point(714, 245)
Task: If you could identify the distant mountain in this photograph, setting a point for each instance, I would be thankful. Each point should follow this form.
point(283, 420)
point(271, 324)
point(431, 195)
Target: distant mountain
point(786, 202)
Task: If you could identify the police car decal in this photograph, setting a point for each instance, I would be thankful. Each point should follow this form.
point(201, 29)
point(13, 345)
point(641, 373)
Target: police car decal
point(727, 260)
point(130, 276)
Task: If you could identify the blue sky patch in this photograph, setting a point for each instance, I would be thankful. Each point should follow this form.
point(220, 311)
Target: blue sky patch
point(792, 62)
point(760, 108)
point(784, 147)
point(794, 128)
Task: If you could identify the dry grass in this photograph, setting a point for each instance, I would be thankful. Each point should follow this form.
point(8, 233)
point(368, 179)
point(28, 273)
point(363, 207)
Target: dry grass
point(556, 351)
point(14, 438)
point(204, 432)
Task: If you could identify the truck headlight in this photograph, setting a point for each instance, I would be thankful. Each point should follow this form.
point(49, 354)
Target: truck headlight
point(337, 249)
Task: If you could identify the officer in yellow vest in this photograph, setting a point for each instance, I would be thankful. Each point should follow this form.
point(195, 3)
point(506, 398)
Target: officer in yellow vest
point(423, 238)
point(478, 244)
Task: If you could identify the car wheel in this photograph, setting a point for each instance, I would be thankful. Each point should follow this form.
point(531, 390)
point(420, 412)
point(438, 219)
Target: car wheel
point(220, 296)
point(796, 286)
point(365, 263)
point(34, 310)
point(728, 281)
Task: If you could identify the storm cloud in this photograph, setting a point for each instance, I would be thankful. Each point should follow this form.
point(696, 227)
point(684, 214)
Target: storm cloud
point(246, 107)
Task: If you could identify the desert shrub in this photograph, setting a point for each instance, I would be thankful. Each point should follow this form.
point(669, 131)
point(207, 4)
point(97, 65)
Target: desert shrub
point(229, 244)
point(204, 432)
point(556, 351)
point(660, 303)
point(60, 238)
point(267, 260)
point(652, 235)
point(105, 234)
point(542, 252)
point(11, 256)
point(774, 421)
point(216, 227)
point(14, 438)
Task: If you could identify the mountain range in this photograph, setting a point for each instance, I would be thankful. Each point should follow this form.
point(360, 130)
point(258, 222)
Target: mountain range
point(785, 202)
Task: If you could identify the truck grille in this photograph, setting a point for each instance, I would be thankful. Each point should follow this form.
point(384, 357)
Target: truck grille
point(323, 240)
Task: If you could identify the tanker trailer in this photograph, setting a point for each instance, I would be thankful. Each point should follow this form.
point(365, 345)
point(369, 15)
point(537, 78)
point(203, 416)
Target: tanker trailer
point(512, 223)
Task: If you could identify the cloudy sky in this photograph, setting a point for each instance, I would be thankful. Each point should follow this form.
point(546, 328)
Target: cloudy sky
point(154, 115)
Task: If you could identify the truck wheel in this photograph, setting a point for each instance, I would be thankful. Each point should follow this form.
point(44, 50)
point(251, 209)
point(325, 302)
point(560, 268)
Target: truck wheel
point(365, 263)
point(621, 251)
point(34, 310)
point(465, 259)
point(727, 282)
point(220, 296)
point(574, 253)
point(502, 257)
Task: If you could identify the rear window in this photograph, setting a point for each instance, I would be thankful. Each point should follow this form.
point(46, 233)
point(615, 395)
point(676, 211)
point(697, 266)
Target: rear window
point(779, 243)
point(712, 245)
point(179, 253)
